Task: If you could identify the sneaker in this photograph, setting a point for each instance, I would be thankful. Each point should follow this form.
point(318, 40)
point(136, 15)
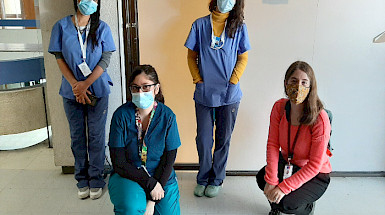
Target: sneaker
point(199, 190)
point(275, 212)
point(96, 193)
point(83, 192)
point(312, 209)
point(212, 191)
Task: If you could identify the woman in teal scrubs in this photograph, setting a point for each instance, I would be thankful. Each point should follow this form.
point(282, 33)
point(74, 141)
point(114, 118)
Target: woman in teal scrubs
point(143, 142)
point(83, 45)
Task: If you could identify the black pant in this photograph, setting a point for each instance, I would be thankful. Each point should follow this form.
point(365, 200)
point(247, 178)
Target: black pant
point(299, 201)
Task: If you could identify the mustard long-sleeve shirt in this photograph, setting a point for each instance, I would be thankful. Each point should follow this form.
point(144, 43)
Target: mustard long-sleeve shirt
point(219, 20)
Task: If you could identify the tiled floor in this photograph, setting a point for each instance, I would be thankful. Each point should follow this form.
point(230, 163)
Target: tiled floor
point(31, 184)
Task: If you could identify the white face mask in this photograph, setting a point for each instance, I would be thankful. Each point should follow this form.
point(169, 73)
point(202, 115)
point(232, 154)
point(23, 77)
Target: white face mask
point(143, 100)
point(225, 6)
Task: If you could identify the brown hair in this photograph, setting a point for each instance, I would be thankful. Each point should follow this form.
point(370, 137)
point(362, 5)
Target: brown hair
point(151, 74)
point(312, 103)
point(236, 17)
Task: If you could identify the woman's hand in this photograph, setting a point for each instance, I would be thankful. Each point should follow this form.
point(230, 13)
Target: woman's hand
point(268, 189)
point(150, 208)
point(83, 98)
point(276, 195)
point(79, 88)
point(80, 91)
point(157, 193)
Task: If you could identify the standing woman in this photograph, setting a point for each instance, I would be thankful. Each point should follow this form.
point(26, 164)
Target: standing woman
point(143, 142)
point(298, 167)
point(82, 45)
point(217, 55)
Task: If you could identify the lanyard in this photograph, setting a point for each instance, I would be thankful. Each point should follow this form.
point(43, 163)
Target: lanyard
point(291, 152)
point(214, 38)
point(141, 144)
point(83, 45)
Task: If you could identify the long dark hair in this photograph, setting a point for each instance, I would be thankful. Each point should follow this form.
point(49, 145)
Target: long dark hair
point(236, 17)
point(95, 21)
point(312, 103)
point(151, 74)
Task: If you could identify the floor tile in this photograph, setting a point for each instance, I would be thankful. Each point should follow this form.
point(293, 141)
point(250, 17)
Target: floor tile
point(6, 177)
point(13, 200)
point(32, 179)
point(33, 185)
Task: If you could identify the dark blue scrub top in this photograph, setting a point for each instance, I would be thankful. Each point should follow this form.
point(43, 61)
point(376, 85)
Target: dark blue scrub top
point(162, 135)
point(216, 66)
point(64, 39)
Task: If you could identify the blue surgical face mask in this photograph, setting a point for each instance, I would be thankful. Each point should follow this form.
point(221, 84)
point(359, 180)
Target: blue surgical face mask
point(87, 7)
point(225, 6)
point(143, 100)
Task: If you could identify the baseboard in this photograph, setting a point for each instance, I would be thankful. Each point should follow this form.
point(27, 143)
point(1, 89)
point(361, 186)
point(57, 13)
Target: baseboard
point(186, 166)
point(195, 167)
point(68, 169)
point(358, 174)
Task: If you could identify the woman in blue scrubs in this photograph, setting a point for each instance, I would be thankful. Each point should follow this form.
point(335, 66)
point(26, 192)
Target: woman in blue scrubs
point(82, 45)
point(143, 142)
point(218, 47)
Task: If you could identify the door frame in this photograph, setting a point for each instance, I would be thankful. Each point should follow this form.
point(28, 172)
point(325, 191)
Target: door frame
point(130, 39)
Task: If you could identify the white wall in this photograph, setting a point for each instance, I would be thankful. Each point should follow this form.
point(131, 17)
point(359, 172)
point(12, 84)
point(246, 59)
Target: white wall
point(352, 80)
point(335, 37)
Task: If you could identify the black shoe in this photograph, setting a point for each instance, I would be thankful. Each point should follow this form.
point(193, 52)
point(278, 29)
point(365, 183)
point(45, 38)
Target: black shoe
point(275, 212)
point(312, 209)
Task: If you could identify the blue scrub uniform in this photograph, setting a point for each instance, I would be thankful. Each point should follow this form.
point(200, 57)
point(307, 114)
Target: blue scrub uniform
point(216, 99)
point(64, 39)
point(89, 158)
point(126, 195)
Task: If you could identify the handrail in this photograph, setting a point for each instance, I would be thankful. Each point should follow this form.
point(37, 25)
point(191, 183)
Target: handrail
point(20, 22)
point(20, 47)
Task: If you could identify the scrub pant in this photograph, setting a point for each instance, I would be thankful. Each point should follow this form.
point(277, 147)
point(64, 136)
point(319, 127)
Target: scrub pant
point(300, 201)
point(129, 198)
point(212, 168)
point(89, 158)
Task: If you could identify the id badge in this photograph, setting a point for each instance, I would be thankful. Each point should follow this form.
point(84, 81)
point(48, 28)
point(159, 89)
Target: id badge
point(287, 171)
point(144, 155)
point(218, 42)
point(84, 69)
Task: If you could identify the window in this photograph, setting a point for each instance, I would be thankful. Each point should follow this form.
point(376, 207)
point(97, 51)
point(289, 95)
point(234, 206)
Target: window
point(19, 14)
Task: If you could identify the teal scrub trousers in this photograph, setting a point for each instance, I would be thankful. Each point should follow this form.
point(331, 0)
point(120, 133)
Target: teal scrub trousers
point(129, 198)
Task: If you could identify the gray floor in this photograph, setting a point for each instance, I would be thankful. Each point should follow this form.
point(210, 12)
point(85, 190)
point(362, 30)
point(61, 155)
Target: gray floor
point(31, 184)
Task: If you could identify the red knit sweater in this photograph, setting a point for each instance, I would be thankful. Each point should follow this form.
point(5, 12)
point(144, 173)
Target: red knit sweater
point(309, 153)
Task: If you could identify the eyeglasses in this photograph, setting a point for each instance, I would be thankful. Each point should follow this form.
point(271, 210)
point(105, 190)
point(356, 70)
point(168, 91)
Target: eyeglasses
point(145, 88)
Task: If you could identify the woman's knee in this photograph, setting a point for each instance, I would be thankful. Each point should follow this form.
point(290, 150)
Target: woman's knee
point(126, 196)
point(128, 208)
point(261, 179)
point(169, 205)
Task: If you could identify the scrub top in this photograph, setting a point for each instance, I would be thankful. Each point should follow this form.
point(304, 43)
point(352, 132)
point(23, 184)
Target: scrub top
point(162, 135)
point(64, 39)
point(216, 66)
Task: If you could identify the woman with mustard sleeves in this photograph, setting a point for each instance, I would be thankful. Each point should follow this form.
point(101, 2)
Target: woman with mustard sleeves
point(217, 55)
point(143, 142)
point(298, 167)
point(82, 45)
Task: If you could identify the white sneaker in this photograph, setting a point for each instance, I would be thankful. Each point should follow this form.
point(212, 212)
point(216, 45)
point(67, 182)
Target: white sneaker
point(83, 192)
point(96, 193)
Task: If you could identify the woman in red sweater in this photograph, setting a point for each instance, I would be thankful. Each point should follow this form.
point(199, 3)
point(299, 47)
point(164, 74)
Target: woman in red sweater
point(297, 170)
